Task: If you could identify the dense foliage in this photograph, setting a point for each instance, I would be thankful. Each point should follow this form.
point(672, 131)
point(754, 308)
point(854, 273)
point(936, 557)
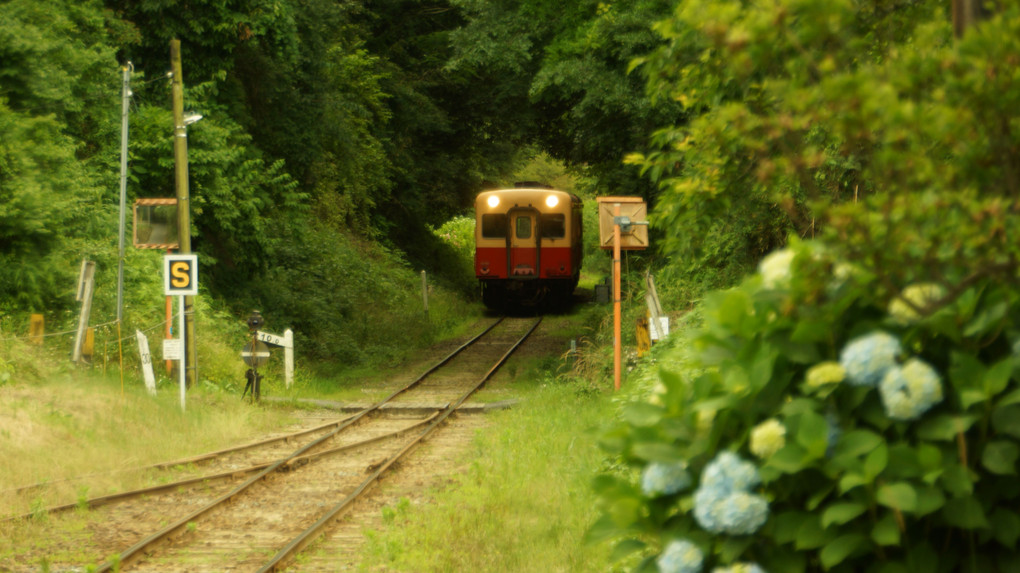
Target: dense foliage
point(850, 406)
point(325, 124)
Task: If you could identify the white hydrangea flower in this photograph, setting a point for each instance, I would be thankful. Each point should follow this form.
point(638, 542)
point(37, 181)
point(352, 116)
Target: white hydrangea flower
point(768, 438)
point(825, 373)
point(664, 479)
point(680, 556)
point(775, 269)
point(920, 296)
point(910, 390)
point(866, 359)
point(740, 568)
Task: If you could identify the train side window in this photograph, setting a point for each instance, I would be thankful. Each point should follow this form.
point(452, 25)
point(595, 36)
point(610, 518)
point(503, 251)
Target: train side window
point(494, 226)
point(523, 227)
point(554, 226)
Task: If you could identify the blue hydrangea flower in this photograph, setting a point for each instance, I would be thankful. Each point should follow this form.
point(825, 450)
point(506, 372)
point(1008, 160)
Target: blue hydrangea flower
point(866, 359)
point(910, 390)
point(740, 568)
point(664, 479)
point(729, 473)
point(680, 556)
point(723, 504)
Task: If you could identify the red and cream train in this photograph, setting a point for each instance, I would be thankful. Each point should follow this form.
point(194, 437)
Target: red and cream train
point(528, 245)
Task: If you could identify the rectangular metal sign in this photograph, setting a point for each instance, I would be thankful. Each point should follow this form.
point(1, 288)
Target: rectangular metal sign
point(270, 338)
point(180, 275)
point(173, 349)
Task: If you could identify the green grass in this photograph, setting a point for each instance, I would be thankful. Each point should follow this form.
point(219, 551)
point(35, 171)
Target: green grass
point(524, 504)
point(83, 424)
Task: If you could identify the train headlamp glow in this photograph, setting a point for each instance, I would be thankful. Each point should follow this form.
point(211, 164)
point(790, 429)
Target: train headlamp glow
point(493, 201)
point(552, 201)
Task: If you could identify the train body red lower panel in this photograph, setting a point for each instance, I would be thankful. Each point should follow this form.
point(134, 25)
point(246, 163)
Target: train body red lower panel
point(554, 263)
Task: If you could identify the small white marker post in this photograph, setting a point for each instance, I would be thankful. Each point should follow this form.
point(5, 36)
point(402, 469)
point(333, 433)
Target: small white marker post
point(287, 343)
point(180, 277)
point(143, 351)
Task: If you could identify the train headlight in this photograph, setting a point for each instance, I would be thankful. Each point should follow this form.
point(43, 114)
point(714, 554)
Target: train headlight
point(493, 201)
point(552, 201)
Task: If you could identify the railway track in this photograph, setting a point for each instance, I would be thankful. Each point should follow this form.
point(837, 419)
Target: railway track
point(210, 522)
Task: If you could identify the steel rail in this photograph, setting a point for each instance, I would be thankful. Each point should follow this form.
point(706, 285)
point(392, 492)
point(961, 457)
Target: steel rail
point(131, 552)
point(300, 460)
point(310, 534)
point(182, 461)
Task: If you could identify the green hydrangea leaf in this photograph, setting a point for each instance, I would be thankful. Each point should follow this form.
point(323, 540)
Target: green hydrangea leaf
point(840, 513)
point(876, 461)
point(787, 524)
point(626, 548)
point(966, 371)
point(790, 459)
point(840, 548)
point(957, 480)
point(944, 427)
point(812, 535)
point(642, 414)
point(1005, 527)
point(965, 513)
point(656, 452)
point(813, 434)
point(903, 463)
point(899, 496)
point(733, 547)
point(1000, 457)
point(997, 377)
point(852, 480)
point(929, 499)
point(857, 443)
point(886, 531)
point(1006, 420)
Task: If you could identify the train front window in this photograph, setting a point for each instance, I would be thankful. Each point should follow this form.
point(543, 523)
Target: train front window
point(523, 227)
point(494, 226)
point(554, 226)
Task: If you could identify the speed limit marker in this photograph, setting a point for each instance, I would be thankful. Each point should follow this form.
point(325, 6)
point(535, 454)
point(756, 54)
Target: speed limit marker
point(180, 275)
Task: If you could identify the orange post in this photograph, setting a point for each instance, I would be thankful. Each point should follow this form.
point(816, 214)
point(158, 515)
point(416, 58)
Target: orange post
point(617, 342)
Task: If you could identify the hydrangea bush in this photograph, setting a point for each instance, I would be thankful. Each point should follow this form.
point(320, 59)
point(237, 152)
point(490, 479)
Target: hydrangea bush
point(824, 421)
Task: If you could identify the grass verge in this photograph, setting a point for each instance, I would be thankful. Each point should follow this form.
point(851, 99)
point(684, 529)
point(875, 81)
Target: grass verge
point(524, 504)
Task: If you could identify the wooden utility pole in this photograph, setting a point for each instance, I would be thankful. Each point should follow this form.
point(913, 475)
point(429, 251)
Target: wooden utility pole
point(183, 201)
point(966, 13)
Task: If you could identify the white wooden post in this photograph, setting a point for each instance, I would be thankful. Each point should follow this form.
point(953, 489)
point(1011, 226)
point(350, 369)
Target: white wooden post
point(425, 292)
point(86, 280)
point(288, 356)
point(287, 343)
point(143, 351)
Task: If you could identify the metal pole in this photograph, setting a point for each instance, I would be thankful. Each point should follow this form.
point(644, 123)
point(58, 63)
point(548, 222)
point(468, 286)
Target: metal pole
point(183, 201)
point(617, 342)
point(125, 105)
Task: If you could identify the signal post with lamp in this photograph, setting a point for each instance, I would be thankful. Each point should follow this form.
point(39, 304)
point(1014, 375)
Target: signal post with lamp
point(622, 226)
point(254, 354)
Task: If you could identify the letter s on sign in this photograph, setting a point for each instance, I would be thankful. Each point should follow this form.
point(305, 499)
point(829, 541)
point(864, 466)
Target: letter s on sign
point(180, 274)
